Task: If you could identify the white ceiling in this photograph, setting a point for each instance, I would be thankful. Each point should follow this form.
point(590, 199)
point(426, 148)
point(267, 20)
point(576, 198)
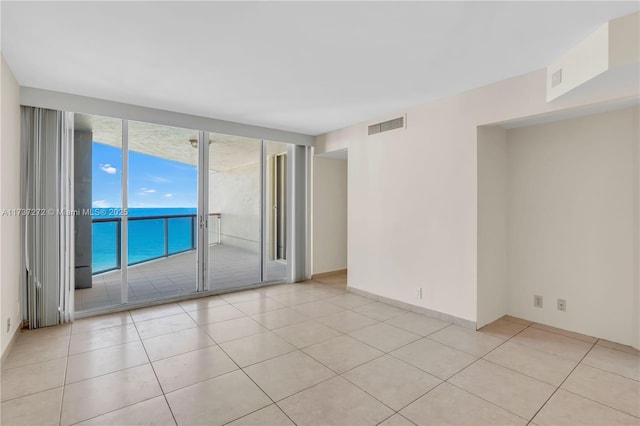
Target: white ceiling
point(309, 67)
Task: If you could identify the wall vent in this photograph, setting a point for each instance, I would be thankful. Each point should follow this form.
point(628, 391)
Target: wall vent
point(385, 126)
point(556, 78)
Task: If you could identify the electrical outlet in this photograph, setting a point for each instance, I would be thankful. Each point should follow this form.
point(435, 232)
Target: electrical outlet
point(562, 305)
point(537, 301)
point(420, 293)
point(8, 324)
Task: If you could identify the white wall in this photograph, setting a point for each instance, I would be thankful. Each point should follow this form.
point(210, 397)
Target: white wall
point(235, 193)
point(329, 215)
point(492, 224)
point(572, 199)
point(413, 192)
point(9, 199)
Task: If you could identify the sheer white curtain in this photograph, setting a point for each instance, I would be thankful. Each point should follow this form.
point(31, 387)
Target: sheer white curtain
point(47, 193)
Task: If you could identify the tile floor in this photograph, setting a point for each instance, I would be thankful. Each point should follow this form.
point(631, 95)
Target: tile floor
point(313, 354)
point(174, 275)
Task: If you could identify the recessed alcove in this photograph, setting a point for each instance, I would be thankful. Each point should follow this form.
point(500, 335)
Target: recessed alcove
point(558, 217)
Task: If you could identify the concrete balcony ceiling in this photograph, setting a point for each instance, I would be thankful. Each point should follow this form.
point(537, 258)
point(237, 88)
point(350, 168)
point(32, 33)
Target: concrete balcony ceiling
point(226, 152)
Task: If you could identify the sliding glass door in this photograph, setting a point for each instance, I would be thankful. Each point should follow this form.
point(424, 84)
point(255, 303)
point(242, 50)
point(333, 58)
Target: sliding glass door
point(235, 207)
point(162, 211)
point(98, 178)
point(175, 211)
point(275, 212)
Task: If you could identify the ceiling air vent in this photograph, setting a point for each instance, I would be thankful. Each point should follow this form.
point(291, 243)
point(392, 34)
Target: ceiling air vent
point(385, 126)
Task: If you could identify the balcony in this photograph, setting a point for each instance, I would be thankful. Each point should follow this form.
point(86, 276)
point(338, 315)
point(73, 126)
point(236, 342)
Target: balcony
point(163, 261)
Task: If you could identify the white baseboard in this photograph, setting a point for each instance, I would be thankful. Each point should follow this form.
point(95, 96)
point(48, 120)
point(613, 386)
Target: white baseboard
point(414, 308)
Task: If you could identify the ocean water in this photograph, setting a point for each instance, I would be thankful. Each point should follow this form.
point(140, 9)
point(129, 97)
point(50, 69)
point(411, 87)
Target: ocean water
point(146, 238)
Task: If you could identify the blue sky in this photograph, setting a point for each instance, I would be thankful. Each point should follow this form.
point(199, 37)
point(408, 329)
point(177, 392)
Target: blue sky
point(153, 181)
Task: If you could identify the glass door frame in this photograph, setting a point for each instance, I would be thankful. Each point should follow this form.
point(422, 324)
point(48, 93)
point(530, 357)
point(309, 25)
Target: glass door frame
point(202, 248)
point(295, 267)
point(204, 282)
point(124, 227)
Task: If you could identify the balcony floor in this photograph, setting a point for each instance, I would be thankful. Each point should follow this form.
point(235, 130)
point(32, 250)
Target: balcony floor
point(157, 279)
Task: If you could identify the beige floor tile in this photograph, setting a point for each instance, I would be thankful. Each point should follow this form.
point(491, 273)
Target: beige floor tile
point(177, 343)
point(540, 365)
point(202, 303)
point(255, 306)
point(568, 409)
point(33, 378)
point(84, 325)
point(279, 318)
point(159, 311)
point(323, 291)
point(347, 321)
point(554, 343)
point(306, 333)
point(349, 300)
point(293, 298)
point(502, 328)
point(604, 389)
point(35, 351)
point(334, 402)
point(102, 338)
point(397, 420)
point(192, 367)
point(27, 336)
point(517, 320)
point(317, 284)
point(614, 361)
point(384, 336)
point(512, 391)
point(339, 278)
point(42, 409)
point(417, 323)
point(307, 284)
point(217, 401)
point(566, 333)
point(379, 311)
point(106, 360)
point(287, 374)
point(271, 415)
point(165, 325)
point(466, 340)
point(217, 314)
point(99, 395)
point(259, 347)
point(241, 296)
point(618, 346)
point(607, 388)
point(318, 308)
point(392, 381)
point(225, 331)
point(274, 290)
point(448, 405)
point(153, 411)
point(434, 358)
point(342, 353)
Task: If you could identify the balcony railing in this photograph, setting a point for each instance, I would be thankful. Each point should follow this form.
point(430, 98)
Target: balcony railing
point(149, 238)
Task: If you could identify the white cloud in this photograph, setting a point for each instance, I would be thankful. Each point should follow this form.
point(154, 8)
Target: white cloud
point(147, 191)
point(168, 195)
point(157, 179)
point(100, 204)
point(108, 168)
